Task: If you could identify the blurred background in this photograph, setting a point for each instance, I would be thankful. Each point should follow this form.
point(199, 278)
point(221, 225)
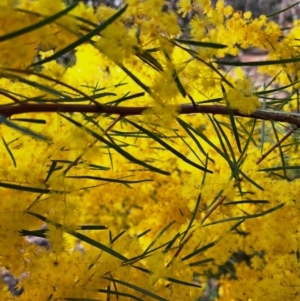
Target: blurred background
point(257, 7)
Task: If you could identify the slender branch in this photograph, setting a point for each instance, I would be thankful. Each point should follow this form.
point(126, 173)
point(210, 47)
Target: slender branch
point(112, 125)
point(213, 208)
point(208, 213)
point(218, 203)
point(288, 134)
point(13, 109)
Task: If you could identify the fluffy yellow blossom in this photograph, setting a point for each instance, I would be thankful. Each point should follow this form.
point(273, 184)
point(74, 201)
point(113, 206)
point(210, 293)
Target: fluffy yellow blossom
point(85, 12)
point(242, 98)
point(247, 15)
point(185, 6)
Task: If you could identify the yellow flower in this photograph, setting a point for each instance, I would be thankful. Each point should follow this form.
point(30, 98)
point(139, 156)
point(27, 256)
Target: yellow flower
point(185, 6)
point(85, 12)
point(246, 104)
point(228, 11)
point(198, 26)
point(46, 7)
point(247, 15)
point(105, 12)
point(257, 262)
point(45, 54)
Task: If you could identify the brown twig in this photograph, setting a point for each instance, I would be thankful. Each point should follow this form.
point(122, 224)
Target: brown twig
point(8, 95)
point(13, 109)
point(112, 124)
point(214, 207)
point(78, 158)
point(288, 134)
point(208, 213)
point(218, 203)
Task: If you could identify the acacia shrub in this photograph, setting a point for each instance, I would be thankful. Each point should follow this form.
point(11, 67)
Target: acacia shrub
point(162, 165)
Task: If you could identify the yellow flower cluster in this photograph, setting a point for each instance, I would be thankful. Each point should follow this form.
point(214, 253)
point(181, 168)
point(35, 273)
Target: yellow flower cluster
point(245, 103)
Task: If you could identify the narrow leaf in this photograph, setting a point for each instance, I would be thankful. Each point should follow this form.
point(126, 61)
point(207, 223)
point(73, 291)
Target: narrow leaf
point(232, 121)
point(265, 92)
point(80, 236)
point(247, 202)
point(135, 79)
point(39, 121)
point(188, 145)
point(143, 233)
point(183, 124)
point(202, 44)
point(171, 243)
point(9, 152)
point(37, 233)
point(84, 39)
point(167, 146)
point(200, 262)
point(125, 97)
point(31, 189)
point(117, 148)
point(177, 281)
point(117, 237)
point(117, 293)
point(37, 85)
point(234, 162)
point(79, 99)
point(80, 299)
point(261, 63)
point(244, 217)
point(250, 180)
point(270, 169)
point(198, 133)
point(158, 236)
point(110, 180)
point(176, 77)
point(280, 150)
point(243, 154)
point(169, 278)
point(35, 26)
point(51, 170)
point(283, 10)
point(98, 167)
point(147, 58)
point(202, 249)
point(192, 218)
point(213, 122)
point(138, 289)
point(25, 131)
point(91, 227)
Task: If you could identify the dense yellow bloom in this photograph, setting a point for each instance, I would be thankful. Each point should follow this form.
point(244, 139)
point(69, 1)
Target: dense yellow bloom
point(246, 104)
point(185, 6)
point(198, 27)
point(77, 180)
point(85, 12)
point(247, 15)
